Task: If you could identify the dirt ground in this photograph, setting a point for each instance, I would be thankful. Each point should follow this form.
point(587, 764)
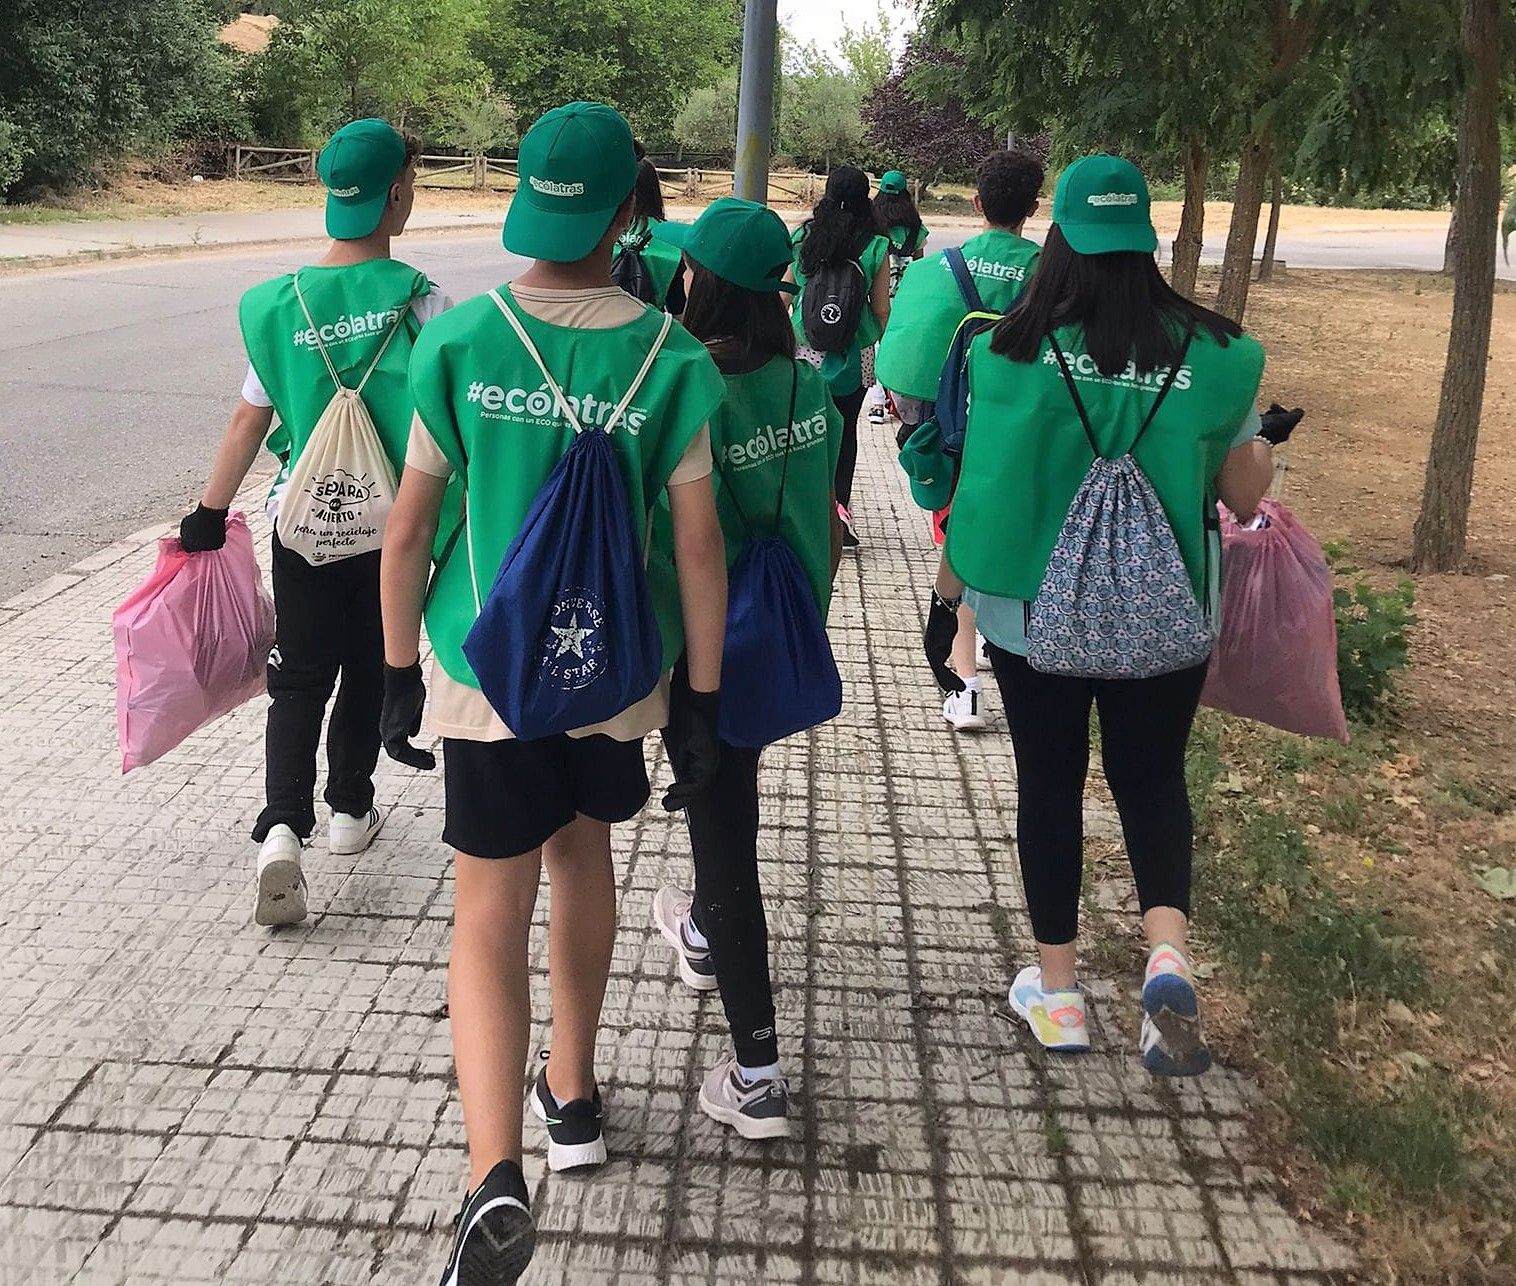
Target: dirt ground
point(1364, 354)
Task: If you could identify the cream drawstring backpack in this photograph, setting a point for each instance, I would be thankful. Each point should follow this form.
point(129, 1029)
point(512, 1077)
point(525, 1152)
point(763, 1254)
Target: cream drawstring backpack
point(342, 486)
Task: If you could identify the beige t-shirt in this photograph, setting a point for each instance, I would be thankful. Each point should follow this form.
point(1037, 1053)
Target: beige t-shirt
point(458, 710)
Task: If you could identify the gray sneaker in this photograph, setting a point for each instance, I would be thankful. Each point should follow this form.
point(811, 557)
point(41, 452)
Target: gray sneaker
point(671, 913)
point(757, 1111)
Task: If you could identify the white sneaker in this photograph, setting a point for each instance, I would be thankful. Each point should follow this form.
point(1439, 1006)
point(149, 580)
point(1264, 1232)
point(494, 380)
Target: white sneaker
point(759, 1110)
point(965, 710)
point(1058, 1019)
point(671, 914)
point(281, 882)
point(348, 834)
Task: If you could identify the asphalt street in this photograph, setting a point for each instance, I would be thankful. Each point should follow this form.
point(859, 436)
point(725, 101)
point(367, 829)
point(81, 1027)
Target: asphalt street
point(116, 380)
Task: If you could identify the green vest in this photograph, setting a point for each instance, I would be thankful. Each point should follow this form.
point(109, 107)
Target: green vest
point(849, 378)
point(748, 439)
point(482, 398)
point(928, 307)
point(1025, 453)
point(354, 306)
point(663, 263)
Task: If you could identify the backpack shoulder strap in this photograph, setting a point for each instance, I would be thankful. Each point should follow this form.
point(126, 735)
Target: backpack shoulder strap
point(789, 439)
point(560, 403)
point(1168, 383)
point(647, 365)
point(1068, 378)
point(326, 357)
point(378, 357)
point(965, 279)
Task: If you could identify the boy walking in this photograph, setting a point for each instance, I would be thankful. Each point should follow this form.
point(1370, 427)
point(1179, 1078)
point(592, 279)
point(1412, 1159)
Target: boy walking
point(349, 319)
point(928, 307)
point(487, 412)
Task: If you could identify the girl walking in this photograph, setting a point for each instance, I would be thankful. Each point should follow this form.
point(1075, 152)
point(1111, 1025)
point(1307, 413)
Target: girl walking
point(1101, 361)
point(840, 255)
point(775, 440)
point(897, 219)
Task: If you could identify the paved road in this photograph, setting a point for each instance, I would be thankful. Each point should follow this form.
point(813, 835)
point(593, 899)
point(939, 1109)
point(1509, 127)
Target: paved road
point(116, 380)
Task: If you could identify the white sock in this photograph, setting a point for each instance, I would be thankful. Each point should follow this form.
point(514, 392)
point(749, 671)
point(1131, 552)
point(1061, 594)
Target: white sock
point(693, 934)
point(971, 684)
point(752, 1075)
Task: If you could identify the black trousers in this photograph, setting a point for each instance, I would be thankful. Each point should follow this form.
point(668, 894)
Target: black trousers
point(1144, 726)
point(728, 908)
point(327, 626)
point(850, 407)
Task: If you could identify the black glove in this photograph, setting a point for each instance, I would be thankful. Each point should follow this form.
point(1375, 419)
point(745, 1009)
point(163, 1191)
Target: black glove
point(941, 630)
point(903, 435)
point(694, 744)
point(1278, 423)
point(404, 695)
point(202, 530)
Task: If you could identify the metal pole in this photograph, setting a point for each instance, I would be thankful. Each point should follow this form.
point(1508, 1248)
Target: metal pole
point(755, 100)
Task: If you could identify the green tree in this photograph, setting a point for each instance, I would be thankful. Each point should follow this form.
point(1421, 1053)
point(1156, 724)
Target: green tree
point(480, 122)
point(820, 119)
point(707, 123)
point(81, 87)
point(642, 57)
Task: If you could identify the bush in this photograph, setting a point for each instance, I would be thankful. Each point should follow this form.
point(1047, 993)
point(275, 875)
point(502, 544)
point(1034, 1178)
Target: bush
point(11, 156)
point(1372, 640)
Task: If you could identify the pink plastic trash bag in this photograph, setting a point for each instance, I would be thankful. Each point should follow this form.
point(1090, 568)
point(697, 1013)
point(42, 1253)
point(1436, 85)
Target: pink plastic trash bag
point(1276, 660)
point(192, 642)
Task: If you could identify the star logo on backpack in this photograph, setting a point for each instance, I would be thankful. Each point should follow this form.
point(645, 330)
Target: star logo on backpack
point(573, 646)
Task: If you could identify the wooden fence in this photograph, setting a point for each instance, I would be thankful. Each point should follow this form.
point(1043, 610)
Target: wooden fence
point(695, 184)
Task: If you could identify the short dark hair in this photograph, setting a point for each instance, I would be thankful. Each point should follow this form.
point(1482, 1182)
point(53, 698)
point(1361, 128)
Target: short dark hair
point(1008, 184)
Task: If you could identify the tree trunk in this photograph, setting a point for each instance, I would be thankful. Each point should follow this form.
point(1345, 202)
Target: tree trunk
point(1271, 238)
point(1237, 267)
point(1448, 260)
point(1187, 245)
point(1442, 528)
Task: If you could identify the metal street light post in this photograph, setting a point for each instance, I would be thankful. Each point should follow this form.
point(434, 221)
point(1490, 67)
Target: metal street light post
point(755, 100)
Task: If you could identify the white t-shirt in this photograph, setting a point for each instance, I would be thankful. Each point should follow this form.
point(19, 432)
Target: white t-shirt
point(425, 308)
point(459, 711)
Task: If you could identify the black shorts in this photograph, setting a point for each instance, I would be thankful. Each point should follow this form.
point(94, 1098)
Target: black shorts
point(505, 798)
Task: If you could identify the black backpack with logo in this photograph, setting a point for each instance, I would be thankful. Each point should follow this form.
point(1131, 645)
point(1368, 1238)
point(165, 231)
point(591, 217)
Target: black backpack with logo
point(832, 305)
point(629, 270)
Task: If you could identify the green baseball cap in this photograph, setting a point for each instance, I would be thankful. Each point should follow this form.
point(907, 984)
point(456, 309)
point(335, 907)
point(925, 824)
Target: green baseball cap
point(359, 165)
point(577, 165)
point(740, 241)
point(928, 467)
point(1101, 205)
point(892, 181)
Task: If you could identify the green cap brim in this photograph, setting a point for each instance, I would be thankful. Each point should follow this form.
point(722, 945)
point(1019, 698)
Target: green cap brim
point(1109, 238)
point(558, 238)
point(680, 235)
point(347, 219)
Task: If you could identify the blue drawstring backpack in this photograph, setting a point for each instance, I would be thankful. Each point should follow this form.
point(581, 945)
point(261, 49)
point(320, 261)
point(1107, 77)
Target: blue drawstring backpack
point(567, 636)
point(778, 675)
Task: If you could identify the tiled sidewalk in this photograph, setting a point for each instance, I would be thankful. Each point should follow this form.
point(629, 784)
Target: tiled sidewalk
point(187, 1098)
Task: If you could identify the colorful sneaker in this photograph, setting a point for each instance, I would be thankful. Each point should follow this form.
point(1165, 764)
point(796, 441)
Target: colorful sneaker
point(965, 710)
point(757, 1110)
point(671, 913)
point(494, 1236)
point(348, 834)
point(849, 532)
point(1057, 1018)
point(282, 892)
point(575, 1140)
point(1172, 1042)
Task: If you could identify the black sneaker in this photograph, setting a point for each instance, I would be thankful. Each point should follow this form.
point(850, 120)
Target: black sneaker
point(495, 1235)
point(574, 1137)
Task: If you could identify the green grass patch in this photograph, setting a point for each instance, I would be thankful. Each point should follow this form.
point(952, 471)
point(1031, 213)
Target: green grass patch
point(24, 214)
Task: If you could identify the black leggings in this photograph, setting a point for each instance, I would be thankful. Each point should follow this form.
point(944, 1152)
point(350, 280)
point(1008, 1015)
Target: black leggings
point(1144, 726)
point(728, 908)
point(850, 407)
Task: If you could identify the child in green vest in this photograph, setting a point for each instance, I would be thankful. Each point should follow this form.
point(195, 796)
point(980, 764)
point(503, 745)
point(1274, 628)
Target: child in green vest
point(923, 319)
point(775, 438)
point(896, 218)
point(1100, 329)
point(841, 231)
point(513, 806)
point(330, 321)
point(661, 262)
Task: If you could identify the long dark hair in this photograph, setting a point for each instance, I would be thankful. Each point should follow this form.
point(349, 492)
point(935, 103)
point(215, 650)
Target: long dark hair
point(1127, 311)
point(841, 223)
point(897, 210)
point(741, 328)
point(647, 196)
